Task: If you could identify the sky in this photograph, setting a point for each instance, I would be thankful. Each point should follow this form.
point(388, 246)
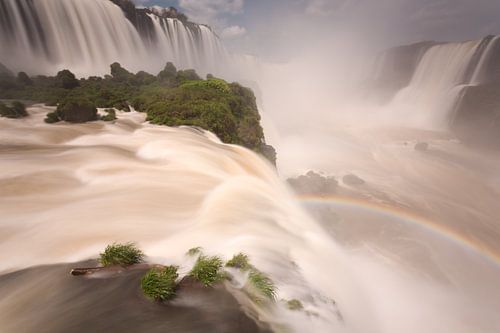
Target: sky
point(274, 27)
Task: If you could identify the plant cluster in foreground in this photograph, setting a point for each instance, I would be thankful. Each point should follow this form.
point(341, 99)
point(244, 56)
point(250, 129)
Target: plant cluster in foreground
point(207, 270)
point(121, 254)
point(259, 283)
point(159, 283)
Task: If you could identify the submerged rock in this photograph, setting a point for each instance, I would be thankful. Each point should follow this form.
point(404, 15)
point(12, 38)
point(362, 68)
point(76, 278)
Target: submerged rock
point(421, 146)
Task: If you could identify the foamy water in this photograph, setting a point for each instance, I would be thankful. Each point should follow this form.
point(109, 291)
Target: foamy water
point(66, 191)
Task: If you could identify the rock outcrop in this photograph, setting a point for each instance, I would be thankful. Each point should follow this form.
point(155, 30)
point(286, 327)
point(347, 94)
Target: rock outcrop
point(112, 301)
point(314, 183)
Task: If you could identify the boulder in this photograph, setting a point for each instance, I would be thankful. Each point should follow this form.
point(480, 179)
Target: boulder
point(314, 183)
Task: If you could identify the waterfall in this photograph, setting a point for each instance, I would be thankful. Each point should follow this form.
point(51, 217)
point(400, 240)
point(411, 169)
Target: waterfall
point(440, 78)
point(43, 36)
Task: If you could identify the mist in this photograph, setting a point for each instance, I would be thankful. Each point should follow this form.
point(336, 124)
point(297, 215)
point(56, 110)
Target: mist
point(399, 95)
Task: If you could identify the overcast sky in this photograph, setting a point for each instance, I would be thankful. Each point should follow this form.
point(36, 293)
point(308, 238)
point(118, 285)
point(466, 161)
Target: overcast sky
point(270, 27)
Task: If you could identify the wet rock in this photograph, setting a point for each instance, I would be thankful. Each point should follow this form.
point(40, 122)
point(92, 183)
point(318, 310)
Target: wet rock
point(314, 183)
point(54, 301)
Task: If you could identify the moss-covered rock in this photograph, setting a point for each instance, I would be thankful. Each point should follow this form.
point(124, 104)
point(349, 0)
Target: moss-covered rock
point(77, 110)
point(15, 110)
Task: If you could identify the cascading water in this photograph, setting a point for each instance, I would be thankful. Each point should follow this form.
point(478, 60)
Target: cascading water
point(439, 79)
point(71, 189)
point(97, 33)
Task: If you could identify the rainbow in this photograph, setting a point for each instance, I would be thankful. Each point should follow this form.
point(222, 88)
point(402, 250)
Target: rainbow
point(409, 218)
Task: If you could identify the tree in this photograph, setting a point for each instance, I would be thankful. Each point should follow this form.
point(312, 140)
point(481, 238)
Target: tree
point(119, 73)
point(24, 79)
point(67, 80)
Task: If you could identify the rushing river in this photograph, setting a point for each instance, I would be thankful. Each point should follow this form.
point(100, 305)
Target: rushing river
point(390, 256)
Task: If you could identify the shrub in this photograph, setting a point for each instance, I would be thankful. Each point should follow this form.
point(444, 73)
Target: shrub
point(77, 109)
point(16, 110)
point(66, 80)
point(110, 115)
point(194, 251)
point(240, 261)
point(207, 270)
point(23, 78)
point(159, 283)
point(121, 254)
point(52, 117)
point(262, 284)
point(294, 305)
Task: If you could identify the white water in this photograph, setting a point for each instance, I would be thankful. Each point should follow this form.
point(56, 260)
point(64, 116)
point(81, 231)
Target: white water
point(436, 86)
point(87, 36)
point(68, 190)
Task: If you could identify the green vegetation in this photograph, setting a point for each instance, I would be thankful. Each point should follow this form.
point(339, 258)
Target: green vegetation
point(76, 109)
point(258, 283)
point(159, 283)
point(16, 110)
point(173, 97)
point(52, 117)
point(261, 283)
point(207, 270)
point(294, 305)
point(110, 115)
point(240, 261)
point(121, 254)
point(194, 251)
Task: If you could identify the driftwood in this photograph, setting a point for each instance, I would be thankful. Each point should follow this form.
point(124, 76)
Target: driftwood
point(84, 271)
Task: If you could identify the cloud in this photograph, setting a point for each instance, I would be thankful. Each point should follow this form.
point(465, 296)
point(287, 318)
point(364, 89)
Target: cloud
point(233, 32)
point(207, 11)
point(324, 7)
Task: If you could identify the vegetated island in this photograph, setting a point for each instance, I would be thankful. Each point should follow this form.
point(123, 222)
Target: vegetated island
point(173, 98)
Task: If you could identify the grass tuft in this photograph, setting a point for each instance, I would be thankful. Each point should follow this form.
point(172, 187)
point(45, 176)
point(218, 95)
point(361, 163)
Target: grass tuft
point(121, 254)
point(240, 261)
point(261, 283)
point(159, 283)
point(207, 270)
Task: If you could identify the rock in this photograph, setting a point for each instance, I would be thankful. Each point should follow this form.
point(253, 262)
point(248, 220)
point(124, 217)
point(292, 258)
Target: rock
point(314, 183)
point(352, 180)
point(421, 146)
point(269, 152)
point(113, 303)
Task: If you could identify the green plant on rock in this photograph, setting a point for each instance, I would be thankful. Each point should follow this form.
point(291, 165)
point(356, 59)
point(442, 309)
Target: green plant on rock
point(207, 270)
point(121, 254)
point(159, 283)
point(240, 261)
point(261, 284)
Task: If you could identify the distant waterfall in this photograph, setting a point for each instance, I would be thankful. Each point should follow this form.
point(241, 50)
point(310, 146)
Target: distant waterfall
point(440, 77)
point(44, 36)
